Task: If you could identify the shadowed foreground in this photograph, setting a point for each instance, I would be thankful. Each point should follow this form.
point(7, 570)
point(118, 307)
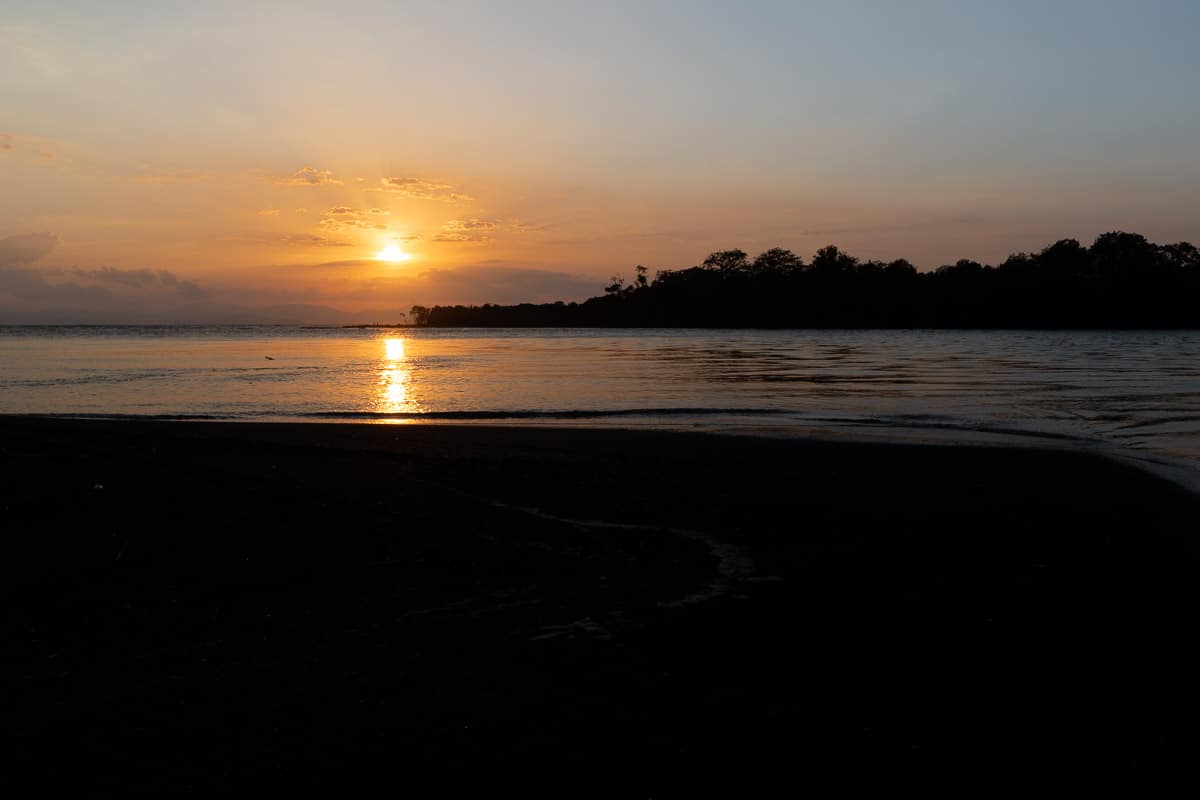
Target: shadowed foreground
point(221, 606)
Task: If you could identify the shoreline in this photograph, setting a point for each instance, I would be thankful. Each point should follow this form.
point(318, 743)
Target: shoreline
point(217, 605)
point(1177, 470)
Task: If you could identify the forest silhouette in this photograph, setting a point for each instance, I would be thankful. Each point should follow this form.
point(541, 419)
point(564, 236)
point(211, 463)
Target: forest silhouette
point(1122, 281)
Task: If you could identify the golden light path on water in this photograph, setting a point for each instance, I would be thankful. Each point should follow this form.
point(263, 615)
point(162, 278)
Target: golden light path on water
point(394, 379)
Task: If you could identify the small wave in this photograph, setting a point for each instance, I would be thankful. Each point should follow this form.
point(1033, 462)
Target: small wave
point(436, 415)
point(544, 414)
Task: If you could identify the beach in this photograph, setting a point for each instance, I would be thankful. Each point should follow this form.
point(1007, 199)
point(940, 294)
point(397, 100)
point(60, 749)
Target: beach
point(213, 606)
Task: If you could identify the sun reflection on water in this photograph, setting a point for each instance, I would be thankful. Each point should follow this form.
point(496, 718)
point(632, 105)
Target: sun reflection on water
point(393, 349)
point(394, 377)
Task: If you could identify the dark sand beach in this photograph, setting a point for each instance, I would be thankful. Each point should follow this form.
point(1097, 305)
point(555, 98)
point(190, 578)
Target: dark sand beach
point(221, 606)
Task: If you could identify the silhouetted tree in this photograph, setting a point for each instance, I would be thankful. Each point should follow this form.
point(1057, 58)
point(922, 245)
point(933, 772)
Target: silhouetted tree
point(1182, 256)
point(1122, 280)
point(640, 276)
point(728, 261)
point(419, 315)
point(776, 260)
point(829, 260)
point(900, 268)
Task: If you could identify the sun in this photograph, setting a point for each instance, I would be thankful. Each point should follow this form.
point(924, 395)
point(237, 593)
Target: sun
point(392, 253)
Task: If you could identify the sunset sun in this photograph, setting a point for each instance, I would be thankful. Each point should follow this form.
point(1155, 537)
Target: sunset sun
point(393, 253)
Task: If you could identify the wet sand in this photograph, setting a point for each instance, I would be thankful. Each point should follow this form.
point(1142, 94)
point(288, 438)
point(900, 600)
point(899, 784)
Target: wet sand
point(232, 606)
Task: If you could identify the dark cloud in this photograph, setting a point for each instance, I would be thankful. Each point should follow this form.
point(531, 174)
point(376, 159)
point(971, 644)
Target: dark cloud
point(136, 278)
point(141, 279)
point(418, 189)
point(309, 176)
point(186, 289)
point(6, 140)
point(25, 248)
point(86, 294)
point(33, 283)
point(32, 286)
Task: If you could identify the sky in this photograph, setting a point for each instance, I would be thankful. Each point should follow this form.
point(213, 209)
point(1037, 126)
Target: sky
point(251, 161)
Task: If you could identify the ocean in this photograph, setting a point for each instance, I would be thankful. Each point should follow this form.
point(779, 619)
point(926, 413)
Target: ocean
point(1133, 394)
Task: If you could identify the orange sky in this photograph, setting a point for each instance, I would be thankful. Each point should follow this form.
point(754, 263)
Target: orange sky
point(180, 163)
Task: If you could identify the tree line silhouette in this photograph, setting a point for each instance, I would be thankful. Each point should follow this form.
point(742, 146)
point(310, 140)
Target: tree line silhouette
point(1122, 281)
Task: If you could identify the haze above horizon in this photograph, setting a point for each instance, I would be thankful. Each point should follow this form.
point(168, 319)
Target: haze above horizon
point(196, 161)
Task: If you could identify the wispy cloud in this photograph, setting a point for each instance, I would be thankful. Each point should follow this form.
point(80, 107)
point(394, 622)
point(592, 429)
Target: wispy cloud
point(478, 230)
point(268, 212)
point(300, 240)
point(419, 189)
point(309, 176)
point(344, 218)
point(6, 141)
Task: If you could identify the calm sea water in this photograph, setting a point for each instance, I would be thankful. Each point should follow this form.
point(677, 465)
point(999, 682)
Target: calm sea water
point(1132, 393)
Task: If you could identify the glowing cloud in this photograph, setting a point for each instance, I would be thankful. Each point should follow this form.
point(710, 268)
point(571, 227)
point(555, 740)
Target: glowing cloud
point(418, 189)
point(309, 176)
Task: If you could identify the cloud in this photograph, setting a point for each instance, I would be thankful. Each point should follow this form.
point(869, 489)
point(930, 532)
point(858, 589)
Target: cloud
point(379, 212)
point(269, 212)
point(478, 230)
point(141, 279)
point(418, 189)
point(307, 239)
point(470, 225)
point(137, 278)
point(344, 218)
point(24, 249)
point(309, 176)
point(31, 286)
point(45, 155)
point(86, 293)
point(6, 140)
point(465, 230)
